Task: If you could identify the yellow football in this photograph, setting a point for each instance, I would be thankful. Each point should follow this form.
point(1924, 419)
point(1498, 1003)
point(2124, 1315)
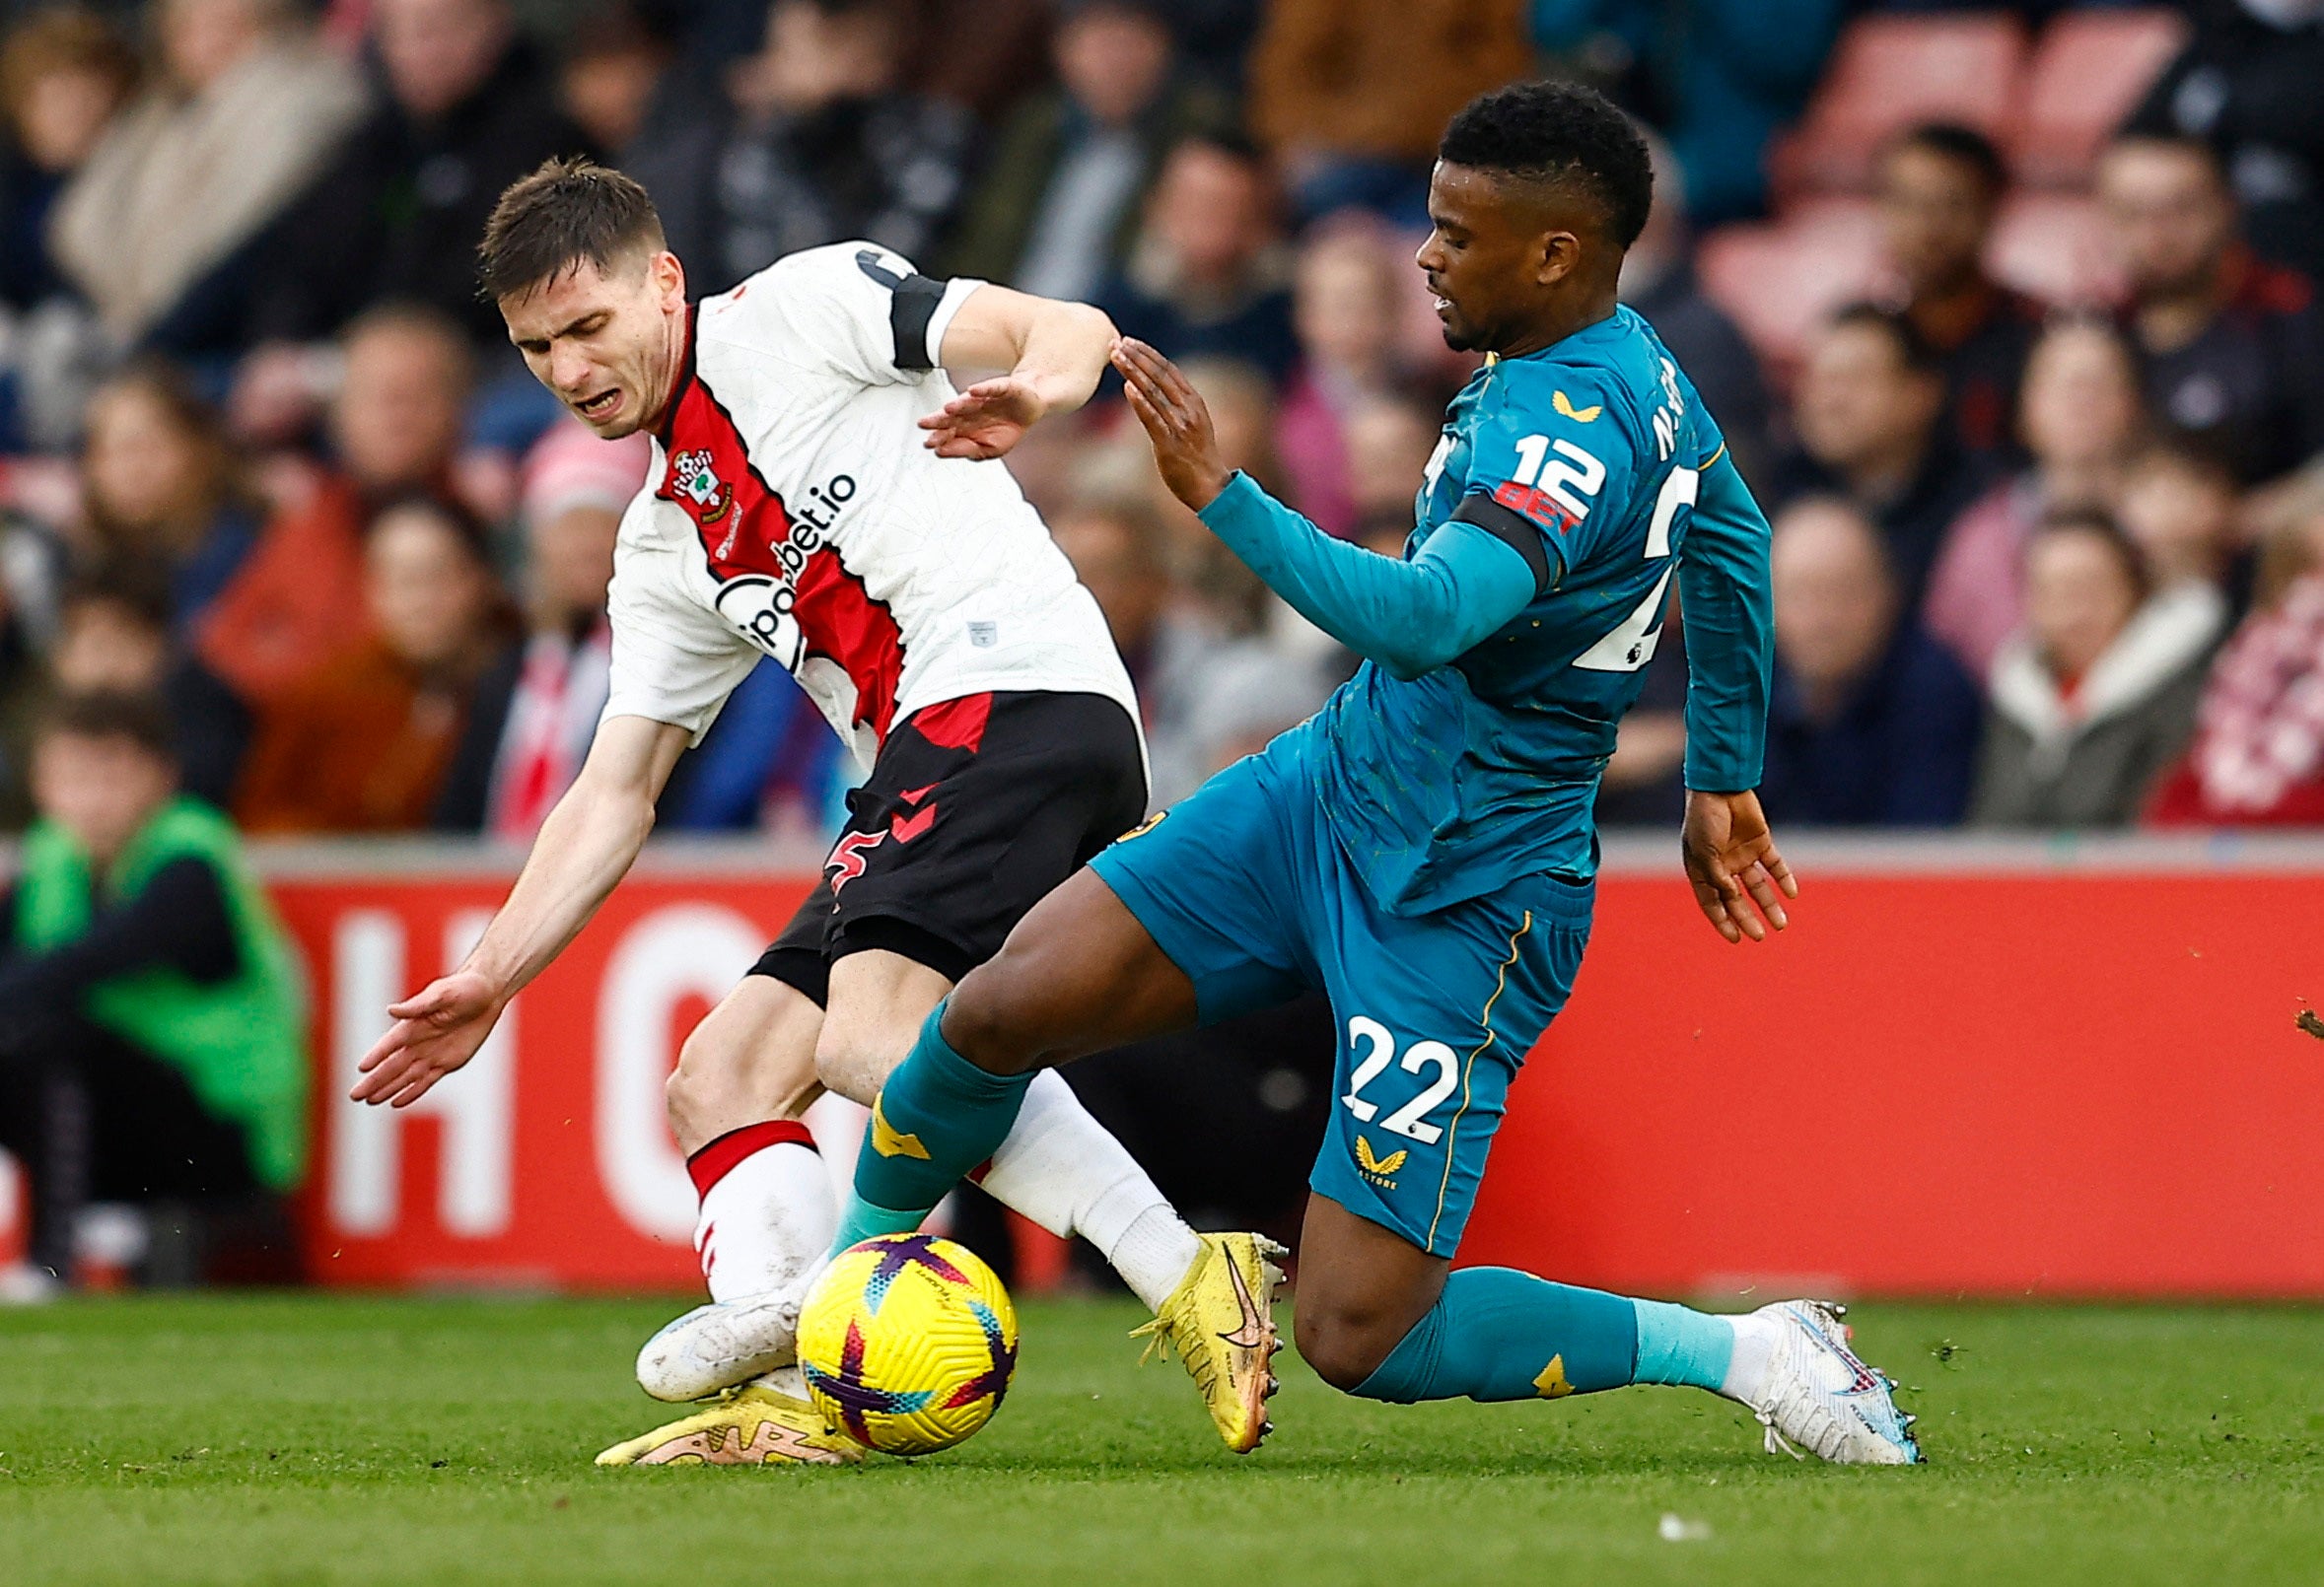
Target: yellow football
point(907, 1342)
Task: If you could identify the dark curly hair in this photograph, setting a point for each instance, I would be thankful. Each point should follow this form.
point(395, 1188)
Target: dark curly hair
point(1560, 133)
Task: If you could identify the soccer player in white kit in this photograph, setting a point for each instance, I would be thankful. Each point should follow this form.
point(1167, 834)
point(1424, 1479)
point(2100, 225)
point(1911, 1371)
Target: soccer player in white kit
point(822, 494)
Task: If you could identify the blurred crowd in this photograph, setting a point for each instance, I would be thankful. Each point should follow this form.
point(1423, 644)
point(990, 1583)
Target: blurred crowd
point(265, 454)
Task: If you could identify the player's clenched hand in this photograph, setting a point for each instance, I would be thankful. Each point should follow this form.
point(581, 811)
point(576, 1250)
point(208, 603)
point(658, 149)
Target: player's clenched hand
point(1177, 421)
point(986, 420)
point(435, 1032)
point(1732, 864)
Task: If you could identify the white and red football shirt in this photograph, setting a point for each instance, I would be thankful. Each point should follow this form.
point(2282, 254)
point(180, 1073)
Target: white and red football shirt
point(794, 511)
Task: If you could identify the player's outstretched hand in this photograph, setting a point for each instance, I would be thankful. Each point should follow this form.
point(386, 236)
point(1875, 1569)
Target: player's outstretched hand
point(1732, 864)
point(435, 1032)
point(986, 420)
point(1177, 421)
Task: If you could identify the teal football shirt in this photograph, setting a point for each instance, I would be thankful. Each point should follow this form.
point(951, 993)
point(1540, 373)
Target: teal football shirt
point(1447, 786)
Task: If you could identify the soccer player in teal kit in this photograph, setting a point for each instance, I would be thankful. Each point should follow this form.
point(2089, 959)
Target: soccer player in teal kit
point(1422, 849)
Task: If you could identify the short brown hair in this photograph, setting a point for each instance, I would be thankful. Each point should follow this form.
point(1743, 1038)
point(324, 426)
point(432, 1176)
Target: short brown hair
point(136, 716)
point(567, 212)
point(62, 39)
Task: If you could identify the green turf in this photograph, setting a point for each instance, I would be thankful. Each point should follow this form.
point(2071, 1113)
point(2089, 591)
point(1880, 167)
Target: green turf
point(298, 1439)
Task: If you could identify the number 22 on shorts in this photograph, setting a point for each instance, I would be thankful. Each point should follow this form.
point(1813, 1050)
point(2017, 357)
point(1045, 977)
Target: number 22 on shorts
point(1377, 1048)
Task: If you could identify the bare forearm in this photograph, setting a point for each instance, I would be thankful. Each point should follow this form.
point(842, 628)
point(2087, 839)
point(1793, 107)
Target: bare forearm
point(586, 847)
point(1064, 354)
point(1057, 350)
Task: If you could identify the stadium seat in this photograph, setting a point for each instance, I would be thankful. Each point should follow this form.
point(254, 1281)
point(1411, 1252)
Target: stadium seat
point(2053, 247)
point(1889, 73)
point(1780, 281)
point(2089, 70)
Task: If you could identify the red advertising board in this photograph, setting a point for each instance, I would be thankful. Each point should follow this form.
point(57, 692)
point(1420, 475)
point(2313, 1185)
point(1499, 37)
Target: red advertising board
point(548, 1161)
point(1963, 1070)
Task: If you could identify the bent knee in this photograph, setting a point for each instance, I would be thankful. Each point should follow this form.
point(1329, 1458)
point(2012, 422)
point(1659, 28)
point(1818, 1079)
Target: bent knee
point(855, 1063)
point(987, 1017)
point(1343, 1349)
point(694, 1081)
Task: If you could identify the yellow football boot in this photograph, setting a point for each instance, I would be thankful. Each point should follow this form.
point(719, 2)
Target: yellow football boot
point(1221, 1320)
point(753, 1426)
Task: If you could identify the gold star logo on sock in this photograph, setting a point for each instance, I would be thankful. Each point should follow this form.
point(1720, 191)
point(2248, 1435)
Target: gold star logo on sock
point(1552, 1384)
point(890, 1141)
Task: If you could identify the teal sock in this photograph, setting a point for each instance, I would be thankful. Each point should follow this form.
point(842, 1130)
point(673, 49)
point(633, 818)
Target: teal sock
point(937, 1118)
point(1498, 1334)
point(1677, 1345)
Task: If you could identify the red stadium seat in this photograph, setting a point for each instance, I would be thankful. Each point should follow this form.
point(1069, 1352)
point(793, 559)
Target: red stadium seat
point(1781, 281)
point(2088, 71)
point(2053, 247)
point(1889, 73)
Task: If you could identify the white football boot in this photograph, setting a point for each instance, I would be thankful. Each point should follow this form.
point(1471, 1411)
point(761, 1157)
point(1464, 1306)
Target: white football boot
point(719, 1345)
point(1819, 1397)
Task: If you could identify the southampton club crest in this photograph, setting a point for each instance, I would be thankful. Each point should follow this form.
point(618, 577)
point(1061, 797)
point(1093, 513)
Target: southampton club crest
point(693, 477)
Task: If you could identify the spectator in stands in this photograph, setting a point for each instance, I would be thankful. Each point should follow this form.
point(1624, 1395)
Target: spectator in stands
point(1390, 440)
point(2233, 347)
point(535, 713)
point(395, 422)
point(363, 743)
point(610, 73)
point(2094, 699)
point(160, 228)
point(465, 107)
point(1208, 274)
point(2258, 757)
point(64, 74)
point(2246, 84)
point(1869, 412)
point(1728, 73)
point(1871, 723)
point(1205, 688)
point(114, 632)
point(1351, 95)
point(1344, 310)
point(152, 1039)
point(1659, 281)
point(2178, 504)
point(1067, 179)
point(1940, 188)
point(161, 487)
point(2082, 417)
point(1242, 420)
point(815, 140)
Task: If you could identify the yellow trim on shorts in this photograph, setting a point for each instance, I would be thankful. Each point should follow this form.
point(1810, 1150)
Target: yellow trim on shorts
point(1468, 1070)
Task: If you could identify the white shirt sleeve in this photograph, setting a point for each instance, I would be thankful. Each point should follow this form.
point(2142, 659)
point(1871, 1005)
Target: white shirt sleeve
point(674, 661)
point(866, 312)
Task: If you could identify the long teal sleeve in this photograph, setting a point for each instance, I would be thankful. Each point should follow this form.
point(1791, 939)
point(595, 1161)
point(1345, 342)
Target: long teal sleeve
point(1729, 611)
point(1411, 617)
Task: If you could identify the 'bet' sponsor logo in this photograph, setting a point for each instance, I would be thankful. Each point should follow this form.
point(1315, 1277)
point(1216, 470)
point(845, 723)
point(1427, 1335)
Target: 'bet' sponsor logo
point(764, 606)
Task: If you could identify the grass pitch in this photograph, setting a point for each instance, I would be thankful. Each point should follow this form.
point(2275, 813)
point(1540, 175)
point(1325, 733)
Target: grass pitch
point(299, 1439)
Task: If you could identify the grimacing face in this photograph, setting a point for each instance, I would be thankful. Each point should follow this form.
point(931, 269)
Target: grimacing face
point(605, 342)
point(1488, 256)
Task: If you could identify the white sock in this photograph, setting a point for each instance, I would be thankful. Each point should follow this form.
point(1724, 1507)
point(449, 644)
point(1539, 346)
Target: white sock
point(768, 1213)
point(1754, 1353)
point(1061, 1168)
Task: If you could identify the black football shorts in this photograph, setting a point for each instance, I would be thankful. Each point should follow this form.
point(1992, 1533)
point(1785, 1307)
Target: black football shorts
point(975, 809)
